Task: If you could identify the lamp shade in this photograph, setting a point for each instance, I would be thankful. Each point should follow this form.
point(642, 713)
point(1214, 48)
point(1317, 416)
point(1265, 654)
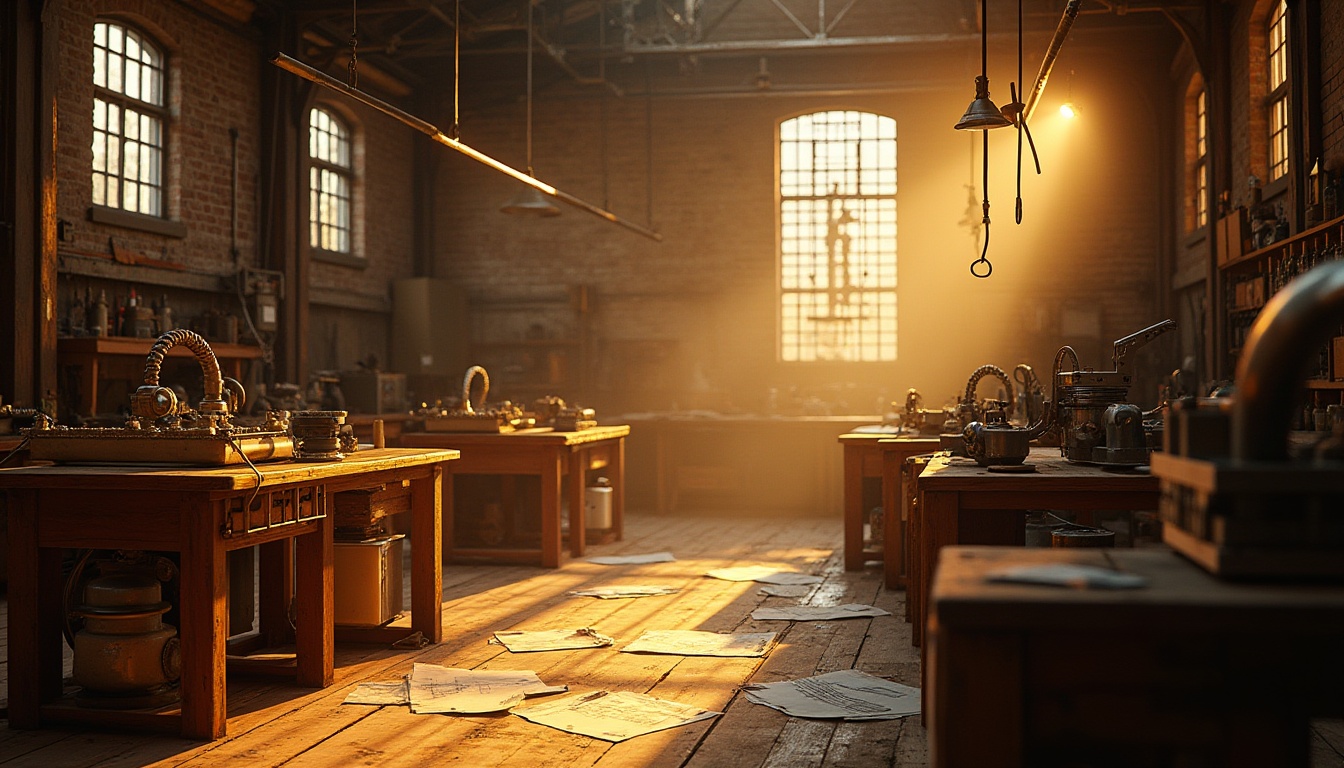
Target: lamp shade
point(982, 114)
point(531, 202)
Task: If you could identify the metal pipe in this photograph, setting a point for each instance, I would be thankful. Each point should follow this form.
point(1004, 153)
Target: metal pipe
point(294, 66)
point(1051, 53)
point(1291, 327)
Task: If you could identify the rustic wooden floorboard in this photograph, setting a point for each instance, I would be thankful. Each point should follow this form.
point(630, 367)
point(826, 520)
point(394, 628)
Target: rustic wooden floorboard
point(274, 724)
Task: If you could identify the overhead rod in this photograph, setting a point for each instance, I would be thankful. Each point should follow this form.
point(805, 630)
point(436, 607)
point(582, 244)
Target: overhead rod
point(294, 66)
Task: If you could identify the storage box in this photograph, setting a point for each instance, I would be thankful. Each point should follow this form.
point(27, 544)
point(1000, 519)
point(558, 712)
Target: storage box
point(373, 392)
point(1337, 359)
point(367, 576)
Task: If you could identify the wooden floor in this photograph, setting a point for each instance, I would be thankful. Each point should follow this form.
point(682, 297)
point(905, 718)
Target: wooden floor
point(274, 724)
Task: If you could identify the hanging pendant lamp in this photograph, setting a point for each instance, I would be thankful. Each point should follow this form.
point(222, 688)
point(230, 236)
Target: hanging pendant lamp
point(982, 114)
point(530, 201)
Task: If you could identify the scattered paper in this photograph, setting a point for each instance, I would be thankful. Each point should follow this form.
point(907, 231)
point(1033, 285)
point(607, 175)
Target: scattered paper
point(443, 690)
point(848, 694)
point(636, 590)
point(379, 694)
point(1068, 575)
point(817, 612)
point(764, 574)
point(691, 642)
point(551, 640)
point(652, 557)
point(785, 590)
point(613, 716)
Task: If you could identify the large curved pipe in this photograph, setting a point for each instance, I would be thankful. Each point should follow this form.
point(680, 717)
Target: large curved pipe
point(472, 373)
point(213, 402)
point(1293, 325)
point(980, 373)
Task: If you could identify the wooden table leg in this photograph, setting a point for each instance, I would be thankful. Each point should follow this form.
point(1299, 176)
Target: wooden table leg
point(34, 617)
point(853, 512)
point(426, 554)
point(275, 569)
point(315, 625)
point(550, 510)
point(893, 535)
point(204, 615)
point(578, 482)
point(938, 512)
point(617, 472)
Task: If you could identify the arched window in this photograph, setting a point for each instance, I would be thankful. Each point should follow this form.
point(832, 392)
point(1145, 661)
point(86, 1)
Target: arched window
point(1197, 154)
point(837, 237)
point(128, 120)
point(1277, 98)
point(330, 183)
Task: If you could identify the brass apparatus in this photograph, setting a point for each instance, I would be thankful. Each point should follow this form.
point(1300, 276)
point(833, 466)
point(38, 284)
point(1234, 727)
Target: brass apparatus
point(161, 430)
point(1090, 431)
point(466, 417)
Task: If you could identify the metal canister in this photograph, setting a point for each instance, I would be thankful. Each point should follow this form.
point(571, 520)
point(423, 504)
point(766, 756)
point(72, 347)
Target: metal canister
point(125, 656)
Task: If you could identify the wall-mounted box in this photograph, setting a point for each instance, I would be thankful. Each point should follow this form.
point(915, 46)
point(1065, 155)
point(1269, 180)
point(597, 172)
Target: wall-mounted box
point(368, 581)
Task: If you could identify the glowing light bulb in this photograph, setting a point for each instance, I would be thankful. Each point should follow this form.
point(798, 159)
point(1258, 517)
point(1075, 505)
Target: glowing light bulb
point(1067, 110)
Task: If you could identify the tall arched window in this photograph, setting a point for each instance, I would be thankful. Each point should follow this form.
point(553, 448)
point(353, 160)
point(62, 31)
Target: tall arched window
point(1197, 154)
point(837, 237)
point(128, 120)
point(1277, 99)
point(330, 183)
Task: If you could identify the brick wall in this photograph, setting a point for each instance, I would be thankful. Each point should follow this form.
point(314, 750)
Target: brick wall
point(214, 75)
point(691, 321)
point(1332, 84)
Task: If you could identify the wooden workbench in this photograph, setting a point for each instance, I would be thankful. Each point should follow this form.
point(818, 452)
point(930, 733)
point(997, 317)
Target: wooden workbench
point(1190, 670)
point(544, 453)
point(864, 453)
point(961, 502)
point(200, 513)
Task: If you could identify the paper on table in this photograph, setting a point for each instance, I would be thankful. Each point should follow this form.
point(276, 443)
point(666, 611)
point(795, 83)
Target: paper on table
point(636, 590)
point(817, 612)
point(379, 694)
point(848, 694)
point(613, 716)
point(763, 573)
point(652, 557)
point(785, 590)
point(1068, 575)
point(691, 642)
point(441, 690)
point(550, 639)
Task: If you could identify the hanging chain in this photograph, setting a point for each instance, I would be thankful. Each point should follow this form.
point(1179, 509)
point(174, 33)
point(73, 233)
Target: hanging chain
point(352, 69)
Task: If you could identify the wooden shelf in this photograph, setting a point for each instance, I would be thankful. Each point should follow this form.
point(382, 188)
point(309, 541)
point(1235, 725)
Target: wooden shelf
point(128, 345)
point(1280, 245)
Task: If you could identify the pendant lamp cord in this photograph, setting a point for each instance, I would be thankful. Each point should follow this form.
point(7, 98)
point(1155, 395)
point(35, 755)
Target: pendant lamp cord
point(529, 89)
point(352, 69)
point(1020, 118)
point(457, 68)
point(984, 182)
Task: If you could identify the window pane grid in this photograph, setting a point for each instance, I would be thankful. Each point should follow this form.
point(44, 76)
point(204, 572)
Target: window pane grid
point(128, 136)
point(330, 183)
point(838, 237)
point(1278, 86)
point(1201, 159)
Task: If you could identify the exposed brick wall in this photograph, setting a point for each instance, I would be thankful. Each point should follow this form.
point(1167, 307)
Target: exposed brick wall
point(699, 308)
point(214, 76)
point(1332, 84)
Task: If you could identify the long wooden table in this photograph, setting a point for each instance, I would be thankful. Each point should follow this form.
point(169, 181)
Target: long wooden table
point(201, 513)
point(863, 457)
point(544, 453)
point(961, 502)
point(1189, 670)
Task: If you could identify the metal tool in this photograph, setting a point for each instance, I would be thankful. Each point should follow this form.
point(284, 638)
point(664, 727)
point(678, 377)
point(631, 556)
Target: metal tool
point(466, 417)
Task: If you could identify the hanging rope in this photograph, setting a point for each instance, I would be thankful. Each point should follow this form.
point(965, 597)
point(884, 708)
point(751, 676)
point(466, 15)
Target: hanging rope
point(352, 69)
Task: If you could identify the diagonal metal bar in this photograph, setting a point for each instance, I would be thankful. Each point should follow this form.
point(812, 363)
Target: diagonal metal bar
point(796, 21)
point(294, 66)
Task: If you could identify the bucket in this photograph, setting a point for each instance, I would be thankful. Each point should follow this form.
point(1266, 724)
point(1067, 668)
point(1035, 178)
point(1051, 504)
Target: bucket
point(597, 504)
